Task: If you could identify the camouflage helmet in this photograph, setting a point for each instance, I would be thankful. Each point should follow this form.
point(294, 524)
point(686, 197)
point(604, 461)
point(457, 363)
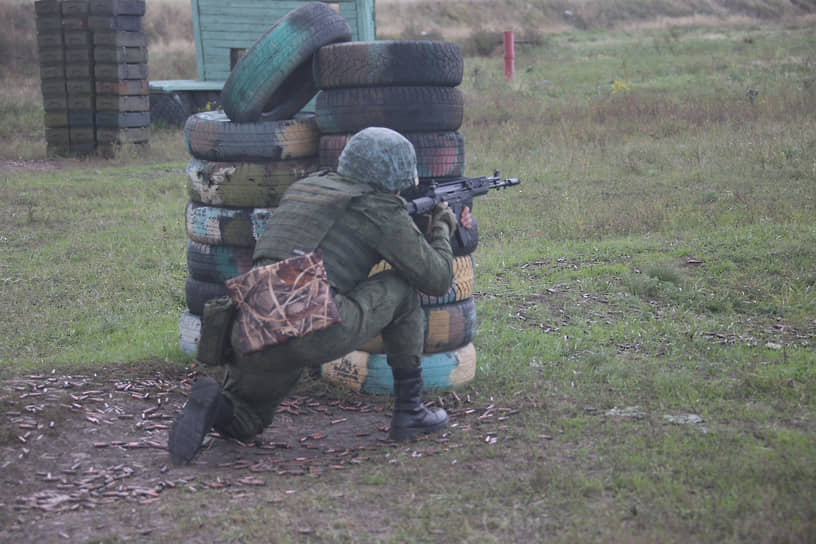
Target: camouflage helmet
point(380, 157)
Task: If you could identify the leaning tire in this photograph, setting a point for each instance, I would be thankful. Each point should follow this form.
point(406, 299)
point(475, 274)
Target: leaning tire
point(404, 109)
point(438, 154)
point(370, 373)
point(189, 332)
point(275, 75)
point(197, 293)
point(211, 135)
point(447, 328)
point(247, 184)
point(223, 226)
point(217, 264)
point(381, 63)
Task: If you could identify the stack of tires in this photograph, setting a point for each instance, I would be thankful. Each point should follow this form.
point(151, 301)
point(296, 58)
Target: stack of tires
point(244, 158)
point(410, 87)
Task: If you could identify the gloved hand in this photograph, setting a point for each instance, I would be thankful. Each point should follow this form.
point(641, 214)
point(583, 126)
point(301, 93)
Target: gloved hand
point(443, 215)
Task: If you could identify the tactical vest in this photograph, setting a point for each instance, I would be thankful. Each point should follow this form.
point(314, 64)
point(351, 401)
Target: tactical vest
point(307, 211)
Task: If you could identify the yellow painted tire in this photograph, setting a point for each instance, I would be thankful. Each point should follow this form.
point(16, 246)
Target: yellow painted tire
point(447, 327)
point(461, 286)
point(369, 372)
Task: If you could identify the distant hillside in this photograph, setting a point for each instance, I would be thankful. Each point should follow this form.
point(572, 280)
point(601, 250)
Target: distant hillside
point(463, 21)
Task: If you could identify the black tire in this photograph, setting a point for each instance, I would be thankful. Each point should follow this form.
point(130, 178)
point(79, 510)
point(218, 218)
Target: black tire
point(447, 328)
point(247, 184)
point(386, 63)
point(404, 109)
point(197, 293)
point(217, 264)
point(439, 154)
point(212, 136)
point(275, 75)
point(222, 225)
point(463, 242)
point(172, 109)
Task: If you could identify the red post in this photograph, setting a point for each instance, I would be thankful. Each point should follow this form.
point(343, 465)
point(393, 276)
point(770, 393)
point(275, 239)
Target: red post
point(509, 55)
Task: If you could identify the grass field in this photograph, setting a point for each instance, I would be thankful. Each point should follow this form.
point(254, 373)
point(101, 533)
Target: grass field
point(646, 298)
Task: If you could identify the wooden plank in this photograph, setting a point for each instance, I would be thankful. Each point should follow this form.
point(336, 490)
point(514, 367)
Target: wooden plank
point(199, 45)
point(174, 85)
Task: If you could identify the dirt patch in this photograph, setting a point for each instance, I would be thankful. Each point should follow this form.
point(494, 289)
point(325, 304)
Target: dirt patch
point(76, 445)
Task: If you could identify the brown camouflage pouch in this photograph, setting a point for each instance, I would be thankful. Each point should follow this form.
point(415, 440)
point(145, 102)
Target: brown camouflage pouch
point(283, 300)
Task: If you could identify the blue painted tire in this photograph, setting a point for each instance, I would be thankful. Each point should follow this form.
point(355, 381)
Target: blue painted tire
point(224, 226)
point(369, 372)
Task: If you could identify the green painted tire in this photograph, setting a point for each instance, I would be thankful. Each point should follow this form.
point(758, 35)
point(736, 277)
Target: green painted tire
point(369, 373)
point(211, 135)
point(438, 154)
point(217, 264)
point(248, 184)
point(223, 226)
point(447, 328)
point(275, 74)
point(388, 62)
point(404, 109)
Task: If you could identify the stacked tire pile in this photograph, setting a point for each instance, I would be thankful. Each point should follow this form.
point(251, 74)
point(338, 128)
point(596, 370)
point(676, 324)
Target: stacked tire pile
point(92, 52)
point(244, 158)
point(410, 87)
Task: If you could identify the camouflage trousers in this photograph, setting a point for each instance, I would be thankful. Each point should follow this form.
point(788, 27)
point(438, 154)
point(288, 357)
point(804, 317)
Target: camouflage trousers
point(383, 304)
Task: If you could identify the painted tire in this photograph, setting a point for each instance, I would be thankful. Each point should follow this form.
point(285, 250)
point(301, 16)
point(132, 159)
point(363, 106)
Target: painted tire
point(275, 74)
point(379, 63)
point(189, 332)
point(245, 184)
point(217, 264)
point(212, 136)
point(438, 154)
point(197, 293)
point(447, 327)
point(370, 373)
point(461, 285)
point(404, 109)
point(223, 226)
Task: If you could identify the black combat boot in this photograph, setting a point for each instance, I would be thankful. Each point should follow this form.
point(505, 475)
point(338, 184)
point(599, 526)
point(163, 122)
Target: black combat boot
point(205, 407)
point(411, 417)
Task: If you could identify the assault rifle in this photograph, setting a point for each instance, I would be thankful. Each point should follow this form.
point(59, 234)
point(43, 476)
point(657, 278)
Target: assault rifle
point(457, 192)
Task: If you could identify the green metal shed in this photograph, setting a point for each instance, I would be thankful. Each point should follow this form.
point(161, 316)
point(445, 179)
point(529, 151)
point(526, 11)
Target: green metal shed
point(223, 30)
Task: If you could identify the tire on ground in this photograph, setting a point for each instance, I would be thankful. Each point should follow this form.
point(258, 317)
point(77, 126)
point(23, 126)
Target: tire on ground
point(189, 332)
point(275, 74)
point(370, 373)
point(447, 328)
point(382, 63)
point(247, 184)
point(438, 154)
point(210, 135)
point(404, 109)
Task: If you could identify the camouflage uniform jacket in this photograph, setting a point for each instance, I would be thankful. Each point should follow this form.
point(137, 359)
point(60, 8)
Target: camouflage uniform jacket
point(369, 227)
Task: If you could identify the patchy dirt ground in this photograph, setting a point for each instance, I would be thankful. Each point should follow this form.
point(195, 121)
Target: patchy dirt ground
point(75, 448)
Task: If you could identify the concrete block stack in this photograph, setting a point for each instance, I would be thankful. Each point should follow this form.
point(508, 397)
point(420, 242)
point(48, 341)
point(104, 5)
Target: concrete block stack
point(93, 67)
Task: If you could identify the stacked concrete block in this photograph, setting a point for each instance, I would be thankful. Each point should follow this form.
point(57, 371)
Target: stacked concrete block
point(52, 75)
point(93, 66)
point(120, 69)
